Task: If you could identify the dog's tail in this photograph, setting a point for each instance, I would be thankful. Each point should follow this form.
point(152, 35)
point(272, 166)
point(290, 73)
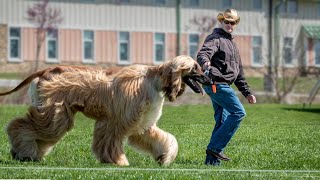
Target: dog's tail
point(24, 82)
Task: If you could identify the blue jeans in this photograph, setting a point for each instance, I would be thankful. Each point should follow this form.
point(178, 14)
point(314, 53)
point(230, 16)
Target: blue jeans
point(228, 113)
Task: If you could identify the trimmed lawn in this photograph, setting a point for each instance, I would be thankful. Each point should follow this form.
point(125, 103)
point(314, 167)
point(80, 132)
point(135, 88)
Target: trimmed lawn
point(273, 141)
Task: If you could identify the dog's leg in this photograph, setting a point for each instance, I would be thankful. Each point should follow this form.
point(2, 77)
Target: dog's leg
point(33, 136)
point(107, 144)
point(161, 145)
point(45, 147)
point(23, 144)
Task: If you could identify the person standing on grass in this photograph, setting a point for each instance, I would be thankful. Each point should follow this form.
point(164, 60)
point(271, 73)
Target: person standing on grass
point(220, 59)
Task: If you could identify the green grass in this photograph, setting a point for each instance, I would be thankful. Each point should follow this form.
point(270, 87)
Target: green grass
point(303, 84)
point(280, 141)
point(8, 75)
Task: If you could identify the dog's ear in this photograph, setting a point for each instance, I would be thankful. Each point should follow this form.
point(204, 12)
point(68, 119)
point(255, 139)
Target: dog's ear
point(171, 82)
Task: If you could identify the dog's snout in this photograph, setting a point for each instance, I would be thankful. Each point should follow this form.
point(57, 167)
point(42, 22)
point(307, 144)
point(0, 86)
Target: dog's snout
point(205, 80)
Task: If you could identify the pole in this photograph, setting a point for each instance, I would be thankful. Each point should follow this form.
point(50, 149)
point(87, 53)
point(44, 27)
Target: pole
point(178, 21)
point(268, 83)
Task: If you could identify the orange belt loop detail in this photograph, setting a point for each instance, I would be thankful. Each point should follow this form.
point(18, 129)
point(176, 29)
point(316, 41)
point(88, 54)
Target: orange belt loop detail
point(214, 88)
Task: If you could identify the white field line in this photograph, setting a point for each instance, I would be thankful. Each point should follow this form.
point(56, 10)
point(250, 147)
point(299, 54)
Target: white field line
point(155, 169)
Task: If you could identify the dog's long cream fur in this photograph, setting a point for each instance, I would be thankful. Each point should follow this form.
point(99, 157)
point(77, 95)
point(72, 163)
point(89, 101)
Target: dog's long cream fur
point(126, 104)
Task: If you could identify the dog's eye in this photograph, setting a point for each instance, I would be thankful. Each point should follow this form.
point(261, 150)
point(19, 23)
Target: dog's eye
point(195, 67)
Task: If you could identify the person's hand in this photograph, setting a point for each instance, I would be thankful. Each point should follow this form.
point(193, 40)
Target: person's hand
point(251, 99)
point(206, 65)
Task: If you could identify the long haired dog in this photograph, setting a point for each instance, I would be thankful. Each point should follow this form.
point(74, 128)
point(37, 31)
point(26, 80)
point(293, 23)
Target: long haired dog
point(126, 104)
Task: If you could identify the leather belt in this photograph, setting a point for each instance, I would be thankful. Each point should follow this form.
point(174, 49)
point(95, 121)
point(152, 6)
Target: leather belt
point(221, 83)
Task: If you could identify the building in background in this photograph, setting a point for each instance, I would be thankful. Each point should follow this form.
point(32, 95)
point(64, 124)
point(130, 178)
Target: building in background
point(124, 32)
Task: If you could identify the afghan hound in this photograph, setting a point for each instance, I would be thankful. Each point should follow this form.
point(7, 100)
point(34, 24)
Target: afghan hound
point(126, 104)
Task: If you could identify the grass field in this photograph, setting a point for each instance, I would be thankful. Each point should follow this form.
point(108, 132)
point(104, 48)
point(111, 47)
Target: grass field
point(8, 75)
point(273, 142)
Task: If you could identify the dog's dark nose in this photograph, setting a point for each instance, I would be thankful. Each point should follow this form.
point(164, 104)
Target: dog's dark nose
point(207, 81)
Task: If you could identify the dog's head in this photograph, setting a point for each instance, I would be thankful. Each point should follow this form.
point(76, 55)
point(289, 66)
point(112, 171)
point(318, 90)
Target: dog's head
point(181, 71)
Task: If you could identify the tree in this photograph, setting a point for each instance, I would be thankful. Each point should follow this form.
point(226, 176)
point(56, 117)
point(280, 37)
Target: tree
point(279, 78)
point(46, 19)
point(284, 78)
point(204, 25)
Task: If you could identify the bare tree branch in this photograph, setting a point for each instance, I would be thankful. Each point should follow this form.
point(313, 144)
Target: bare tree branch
point(46, 19)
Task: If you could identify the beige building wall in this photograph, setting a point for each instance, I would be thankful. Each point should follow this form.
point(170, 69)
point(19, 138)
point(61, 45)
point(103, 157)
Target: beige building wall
point(106, 47)
point(141, 47)
point(29, 45)
point(70, 46)
point(310, 51)
point(142, 19)
point(3, 43)
point(244, 46)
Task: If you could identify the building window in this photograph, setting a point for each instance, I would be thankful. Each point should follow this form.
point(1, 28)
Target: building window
point(192, 3)
point(287, 50)
point(88, 46)
point(15, 44)
point(124, 46)
point(226, 3)
point(52, 46)
point(292, 6)
point(193, 45)
point(87, 1)
point(317, 53)
point(289, 7)
point(257, 50)
point(160, 2)
point(159, 39)
point(257, 4)
point(124, 1)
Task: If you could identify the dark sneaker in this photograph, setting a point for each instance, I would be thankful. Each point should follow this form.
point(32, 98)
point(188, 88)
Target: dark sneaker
point(212, 161)
point(219, 155)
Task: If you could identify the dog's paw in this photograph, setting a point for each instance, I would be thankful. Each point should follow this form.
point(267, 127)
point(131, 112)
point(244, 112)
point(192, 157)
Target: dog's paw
point(165, 159)
point(170, 151)
point(122, 161)
point(17, 157)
